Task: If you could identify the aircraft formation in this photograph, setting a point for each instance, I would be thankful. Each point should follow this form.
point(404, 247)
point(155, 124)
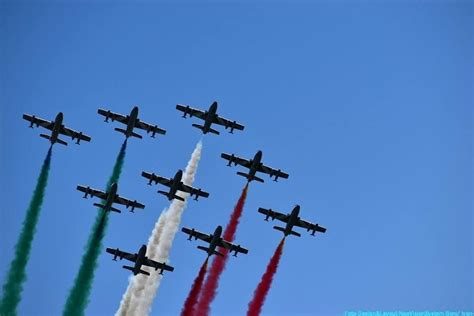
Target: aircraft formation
point(175, 184)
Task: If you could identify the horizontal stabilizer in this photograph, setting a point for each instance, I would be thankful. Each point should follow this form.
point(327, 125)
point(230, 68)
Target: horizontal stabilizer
point(210, 130)
point(249, 178)
point(58, 140)
point(62, 142)
point(144, 272)
point(111, 208)
point(133, 134)
point(165, 193)
point(136, 135)
point(121, 130)
point(133, 270)
point(177, 197)
point(283, 230)
point(295, 233)
point(207, 250)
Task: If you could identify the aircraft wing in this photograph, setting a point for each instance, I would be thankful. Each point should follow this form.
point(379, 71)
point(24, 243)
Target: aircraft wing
point(310, 226)
point(38, 121)
point(197, 234)
point(128, 203)
point(157, 265)
point(122, 254)
point(236, 160)
point(277, 173)
point(187, 110)
point(273, 214)
point(74, 134)
point(233, 248)
point(93, 192)
point(149, 128)
point(228, 123)
point(114, 116)
point(193, 191)
point(157, 179)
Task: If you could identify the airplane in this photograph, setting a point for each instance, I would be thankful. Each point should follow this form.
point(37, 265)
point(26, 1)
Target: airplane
point(131, 121)
point(140, 259)
point(215, 240)
point(175, 184)
point(254, 165)
point(56, 127)
point(291, 220)
point(209, 117)
point(110, 197)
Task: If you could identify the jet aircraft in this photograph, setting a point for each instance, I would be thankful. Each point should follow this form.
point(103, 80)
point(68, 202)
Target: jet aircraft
point(56, 127)
point(215, 240)
point(291, 221)
point(254, 165)
point(209, 117)
point(140, 259)
point(175, 184)
point(131, 121)
point(109, 198)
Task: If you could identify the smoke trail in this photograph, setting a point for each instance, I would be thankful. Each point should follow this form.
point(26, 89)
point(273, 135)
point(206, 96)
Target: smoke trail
point(78, 298)
point(136, 284)
point(16, 275)
point(159, 245)
point(255, 306)
point(209, 290)
point(191, 300)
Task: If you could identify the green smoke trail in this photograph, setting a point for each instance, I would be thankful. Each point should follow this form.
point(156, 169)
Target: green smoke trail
point(78, 298)
point(16, 275)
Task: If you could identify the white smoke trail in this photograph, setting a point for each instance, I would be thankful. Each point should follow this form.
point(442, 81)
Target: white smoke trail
point(142, 290)
point(136, 284)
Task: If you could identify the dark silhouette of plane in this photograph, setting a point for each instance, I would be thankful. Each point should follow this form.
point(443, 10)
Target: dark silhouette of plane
point(175, 184)
point(131, 121)
point(215, 240)
point(254, 165)
point(209, 117)
point(56, 127)
point(291, 221)
point(140, 260)
point(109, 198)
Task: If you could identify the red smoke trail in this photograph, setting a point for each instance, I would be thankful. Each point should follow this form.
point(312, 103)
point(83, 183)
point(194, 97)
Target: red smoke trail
point(191, 301)
point(208, 292)
point(255, 306)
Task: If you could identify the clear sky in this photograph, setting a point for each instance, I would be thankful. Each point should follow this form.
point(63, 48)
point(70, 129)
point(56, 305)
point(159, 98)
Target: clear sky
point(367, 106)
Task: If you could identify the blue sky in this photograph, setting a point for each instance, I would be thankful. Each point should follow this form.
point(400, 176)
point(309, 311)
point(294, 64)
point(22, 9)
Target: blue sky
point(367, 106)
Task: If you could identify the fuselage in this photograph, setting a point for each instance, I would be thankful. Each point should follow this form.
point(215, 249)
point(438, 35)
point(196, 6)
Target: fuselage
point(131, 122)
point(256, 162)
point(294, 216)
point(110, 197)
point(216, 238)
point(58, 122)
point(211, 114)
point(176, 183)
point(140, 256)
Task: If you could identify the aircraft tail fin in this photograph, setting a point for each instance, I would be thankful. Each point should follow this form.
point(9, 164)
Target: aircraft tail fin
point(58, 140)
point(210, 130)
point(249, 178)
point(283, 231)
point(111, 208)
point(207, 250)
